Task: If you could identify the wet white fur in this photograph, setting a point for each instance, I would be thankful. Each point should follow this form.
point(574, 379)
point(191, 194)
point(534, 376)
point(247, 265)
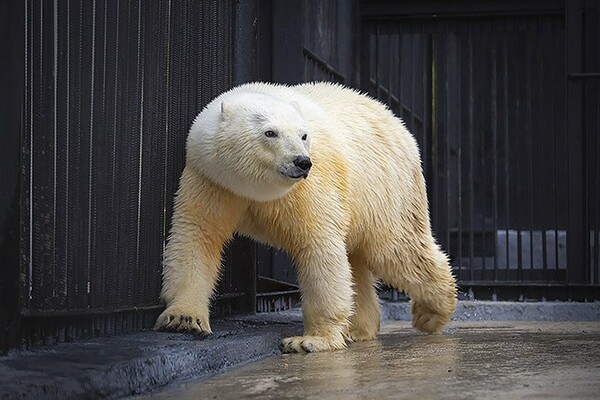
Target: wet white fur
point(360, 216)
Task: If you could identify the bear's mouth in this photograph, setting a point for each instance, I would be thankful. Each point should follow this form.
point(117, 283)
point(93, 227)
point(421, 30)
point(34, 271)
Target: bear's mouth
point(295, 173)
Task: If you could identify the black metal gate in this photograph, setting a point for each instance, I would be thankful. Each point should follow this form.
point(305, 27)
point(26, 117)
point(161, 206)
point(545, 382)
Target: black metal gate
point(503, 99)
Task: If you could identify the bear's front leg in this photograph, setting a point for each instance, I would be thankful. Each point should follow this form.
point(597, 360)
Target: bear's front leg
point(326, 284)
point(204, 218)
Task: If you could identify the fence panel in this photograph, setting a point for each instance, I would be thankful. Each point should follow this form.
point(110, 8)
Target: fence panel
point(592, 124)
point(485, 94)
point(111, 90)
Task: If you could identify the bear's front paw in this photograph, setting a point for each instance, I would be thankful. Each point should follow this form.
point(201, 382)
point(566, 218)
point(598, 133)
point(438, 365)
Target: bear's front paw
point(310, 344)
point(183, 319)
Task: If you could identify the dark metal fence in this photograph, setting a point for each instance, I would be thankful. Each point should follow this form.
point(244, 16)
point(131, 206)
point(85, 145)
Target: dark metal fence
point(503, 99)
point(110, 90)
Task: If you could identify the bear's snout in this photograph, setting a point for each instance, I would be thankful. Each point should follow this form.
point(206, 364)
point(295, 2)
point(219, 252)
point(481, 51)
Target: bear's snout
point(303, 163)
point(299, 168)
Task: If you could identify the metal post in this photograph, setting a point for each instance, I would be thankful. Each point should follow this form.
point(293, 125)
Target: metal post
point(576, 233)
point(12, 14)
point(288, 23)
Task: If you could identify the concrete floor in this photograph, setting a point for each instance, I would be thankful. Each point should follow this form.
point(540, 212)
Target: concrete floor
point(472, 360)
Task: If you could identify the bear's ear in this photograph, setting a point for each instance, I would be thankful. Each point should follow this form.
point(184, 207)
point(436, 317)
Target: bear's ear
point(226, 109)
point(296, 106)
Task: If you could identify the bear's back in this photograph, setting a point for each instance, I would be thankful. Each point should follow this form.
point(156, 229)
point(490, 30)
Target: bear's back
point(384, 167)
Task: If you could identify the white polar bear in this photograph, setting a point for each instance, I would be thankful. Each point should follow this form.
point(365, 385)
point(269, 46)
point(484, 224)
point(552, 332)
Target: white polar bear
point(330, 176)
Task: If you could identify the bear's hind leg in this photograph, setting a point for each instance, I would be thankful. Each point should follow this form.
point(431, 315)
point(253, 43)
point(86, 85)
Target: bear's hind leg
point(425, 275)
point(365, 322)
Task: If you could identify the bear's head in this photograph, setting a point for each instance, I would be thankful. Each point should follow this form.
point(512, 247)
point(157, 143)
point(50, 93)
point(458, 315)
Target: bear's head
point(255, 145)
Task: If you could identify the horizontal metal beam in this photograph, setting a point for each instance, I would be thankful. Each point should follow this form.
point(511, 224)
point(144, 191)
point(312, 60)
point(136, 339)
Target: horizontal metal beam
point(86, 311)
point(376, 9)
point(525, 284)
point(584, 75)
point(109, 310)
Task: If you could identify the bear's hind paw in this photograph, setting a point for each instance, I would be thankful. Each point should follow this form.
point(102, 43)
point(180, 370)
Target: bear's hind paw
point(362, 335)
point(428, 320)
point(310, 344)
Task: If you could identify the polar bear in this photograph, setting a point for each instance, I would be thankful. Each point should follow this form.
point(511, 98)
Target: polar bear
point(327, 174)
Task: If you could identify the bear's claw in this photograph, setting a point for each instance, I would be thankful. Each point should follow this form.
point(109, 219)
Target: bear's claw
point(174, 319)
point(309, 344)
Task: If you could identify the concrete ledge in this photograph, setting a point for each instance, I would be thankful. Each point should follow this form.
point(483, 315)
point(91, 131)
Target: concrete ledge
point(504, 311)
point(130, 364)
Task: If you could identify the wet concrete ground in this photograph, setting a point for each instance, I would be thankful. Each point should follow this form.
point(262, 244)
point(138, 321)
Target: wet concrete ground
point(472, 360)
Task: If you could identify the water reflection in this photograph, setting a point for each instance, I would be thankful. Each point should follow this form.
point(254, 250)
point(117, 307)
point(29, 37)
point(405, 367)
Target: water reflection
point(385, 366)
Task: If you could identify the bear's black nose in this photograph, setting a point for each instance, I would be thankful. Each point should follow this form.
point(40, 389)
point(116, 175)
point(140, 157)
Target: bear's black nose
point(303, 162)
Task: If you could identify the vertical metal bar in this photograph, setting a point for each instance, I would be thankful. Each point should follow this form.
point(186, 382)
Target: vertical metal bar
point(555, 164)
point(90, 176)
point(245, 60)
point(494, 117)
point(154, 175)
point(56, 273)
point(139, 274)
point(391, 60)
point(113, 103)
point(471, 161)
point(592, 104)
point(577, 240)
point(596, 175)
point(446, 140)
point(519, 159)
point(482, 171)
point(425, 82)
point(596, 226)
point(98, 162)
point(506, 136)
point(541, 57)
point(434, 136)
point(43, 171)
point(377, 60)
point(596, 185)
point(62, 154)
point(413, 74)
point(166, 197)
point(457, 125)
point(364, 61)
point(400, 33)
point(530, 134)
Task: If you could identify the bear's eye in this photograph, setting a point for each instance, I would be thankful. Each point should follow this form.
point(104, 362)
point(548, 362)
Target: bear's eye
point(304, 136)
point(270, 134)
